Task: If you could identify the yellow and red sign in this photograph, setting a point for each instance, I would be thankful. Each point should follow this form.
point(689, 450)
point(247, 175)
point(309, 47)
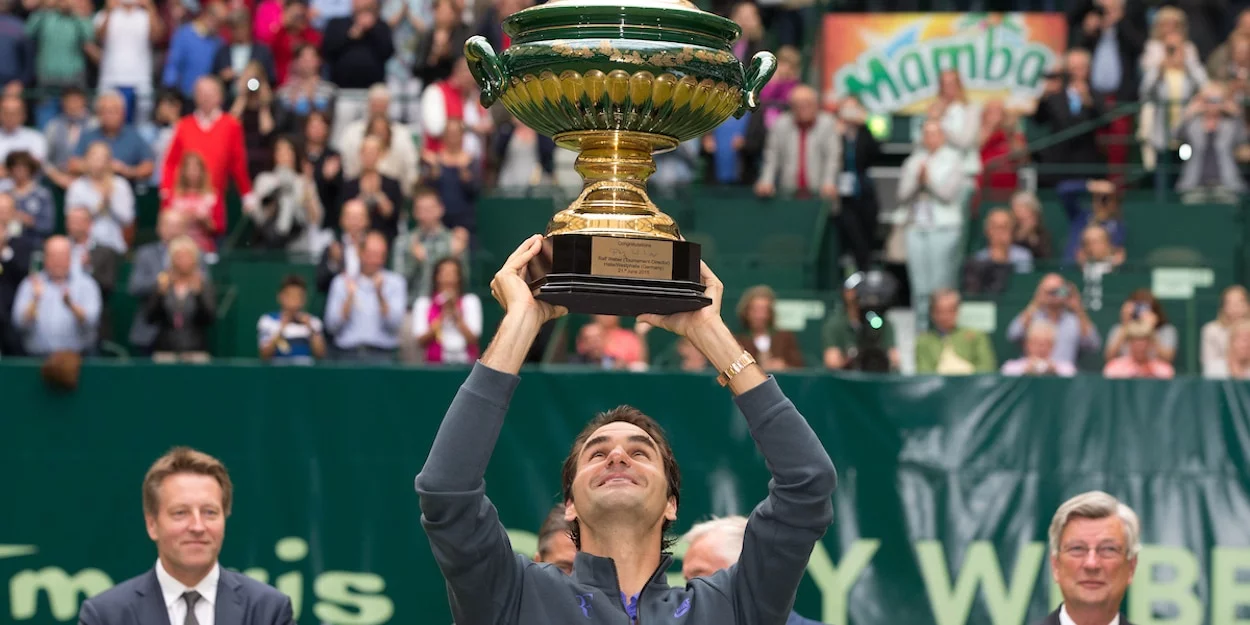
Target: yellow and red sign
point(892, 61)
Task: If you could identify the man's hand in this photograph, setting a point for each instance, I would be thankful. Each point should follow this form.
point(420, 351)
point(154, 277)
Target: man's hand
point(524, 316)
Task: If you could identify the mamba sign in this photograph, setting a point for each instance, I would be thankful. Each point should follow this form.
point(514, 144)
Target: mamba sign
point(892, 61)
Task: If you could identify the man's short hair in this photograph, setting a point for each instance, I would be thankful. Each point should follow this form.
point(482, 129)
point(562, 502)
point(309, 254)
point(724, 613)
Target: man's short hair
point(1096, 505)
point(728, 532)
point(553, 525)
point(185, 460)
point(635, 417)
point(294, 280)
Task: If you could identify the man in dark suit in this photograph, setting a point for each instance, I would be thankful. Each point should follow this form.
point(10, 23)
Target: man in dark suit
point(1094, 541)
point(186, 499)
point(1067, 103)
point(16, 248)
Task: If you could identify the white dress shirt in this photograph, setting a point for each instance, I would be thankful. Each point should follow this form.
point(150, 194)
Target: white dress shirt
point(172, 589)
point(1064, 619)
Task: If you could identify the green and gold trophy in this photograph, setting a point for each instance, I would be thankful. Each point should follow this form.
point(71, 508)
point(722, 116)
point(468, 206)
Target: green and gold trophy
point(618, 82)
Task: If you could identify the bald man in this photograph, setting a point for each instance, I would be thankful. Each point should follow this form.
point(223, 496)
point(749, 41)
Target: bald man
point(57, 309)
point(803, 151)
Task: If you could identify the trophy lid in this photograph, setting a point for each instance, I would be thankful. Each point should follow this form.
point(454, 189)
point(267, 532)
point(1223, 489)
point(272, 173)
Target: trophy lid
point(660, 20)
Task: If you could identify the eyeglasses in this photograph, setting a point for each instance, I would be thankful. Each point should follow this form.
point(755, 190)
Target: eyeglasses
point(1105, 552)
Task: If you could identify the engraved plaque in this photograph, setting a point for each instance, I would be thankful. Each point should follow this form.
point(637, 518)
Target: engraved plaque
point(631, 258)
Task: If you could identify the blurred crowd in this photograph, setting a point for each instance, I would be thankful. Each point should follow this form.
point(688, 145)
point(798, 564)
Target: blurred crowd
point(353, 134)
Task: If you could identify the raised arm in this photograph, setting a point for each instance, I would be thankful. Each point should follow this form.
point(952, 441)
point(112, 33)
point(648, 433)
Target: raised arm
point(469, 543)
point(784, 528)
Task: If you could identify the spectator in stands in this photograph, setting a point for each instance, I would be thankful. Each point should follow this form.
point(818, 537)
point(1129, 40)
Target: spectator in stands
point(343, 255)
point(454, 98)
point(304, 90)
point(1003, 150)
point(183, 307)
point(715, 545)
point(288, 38)
point(555, 546)
point(525, 158)
point(1030, 232)
point(260, 115)
point(192, 50)
point(327, 166)
point(624, 348)
point(691, 359)
point(1103, 212)
point(774, 349)
point(357, 47)
point(232, 60)
point(1115, 34)
point(1234, 71)
point(57, 309)
point(960, 119)
point(417, 252)
point(947, 349)
point(15, 256)
point(365, 312)
point(408, 20)
point(989, 271)
point(933, 189)
point(151, 260)
point(1173, 75)
point(218, 138)
point(291, 336)
point(62, 135)
point(440, 46)
point(1235, 365)
point(774, 99)
point(1058, 302)
point(195, 199)
point(15, 136)
point(380, 194)
point(107, 196)
point(1098, 256)
point(1234, 308)
point(132, 156)
point(454, 173)
point(1214, 127)
point(1038, 358)
point(1221, 64)
point(1068, 105)
point(158, 133)
point(400, 147)
point(842, 330)
point(101, 262)
point(63, 39)
point(322, 11)
point(288, 216)
point(128, 31)
point(1141, 307)
point(1139, 361)
point(588, 349)
point(35, 208)
point(401, 164)
point(448, 325)
point(802, 154)
point(17, 52)
point(858, 215)
point(747, 16)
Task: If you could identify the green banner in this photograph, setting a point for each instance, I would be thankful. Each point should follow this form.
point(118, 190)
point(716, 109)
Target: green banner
point(947, 485)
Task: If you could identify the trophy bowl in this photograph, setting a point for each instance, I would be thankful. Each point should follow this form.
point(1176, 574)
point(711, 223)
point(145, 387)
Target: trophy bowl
point(618, 82)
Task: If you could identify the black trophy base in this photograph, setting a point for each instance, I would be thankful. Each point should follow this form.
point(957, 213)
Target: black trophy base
point(582, 274)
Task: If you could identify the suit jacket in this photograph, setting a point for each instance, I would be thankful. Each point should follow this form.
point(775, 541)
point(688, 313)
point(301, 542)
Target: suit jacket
point(260, 52)
point(1055, 115)
point(1053, 619)
point(241, 600)
point(823, 154)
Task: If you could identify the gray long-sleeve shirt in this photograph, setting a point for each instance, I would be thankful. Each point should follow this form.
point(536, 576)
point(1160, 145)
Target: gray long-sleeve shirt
point(488, 583)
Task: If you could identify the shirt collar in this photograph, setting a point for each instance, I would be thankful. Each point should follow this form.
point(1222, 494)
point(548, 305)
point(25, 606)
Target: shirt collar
point(207, 120)
point(172, 589)
point(1065, 619)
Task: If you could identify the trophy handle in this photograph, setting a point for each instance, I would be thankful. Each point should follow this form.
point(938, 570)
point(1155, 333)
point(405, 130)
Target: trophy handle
point(486, 68)
point(763, 64)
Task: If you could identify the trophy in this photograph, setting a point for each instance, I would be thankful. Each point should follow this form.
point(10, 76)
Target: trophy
point(618, 81)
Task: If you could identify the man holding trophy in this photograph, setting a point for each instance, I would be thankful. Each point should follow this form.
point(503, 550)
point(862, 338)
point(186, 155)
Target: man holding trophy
point(621, 487)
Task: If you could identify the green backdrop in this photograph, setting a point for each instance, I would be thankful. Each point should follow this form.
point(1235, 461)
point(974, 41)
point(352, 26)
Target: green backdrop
point(947, 485)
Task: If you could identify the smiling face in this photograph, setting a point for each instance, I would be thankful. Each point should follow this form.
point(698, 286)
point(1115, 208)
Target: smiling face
point(1092, 567)
point(188, 524)
point(621, 465)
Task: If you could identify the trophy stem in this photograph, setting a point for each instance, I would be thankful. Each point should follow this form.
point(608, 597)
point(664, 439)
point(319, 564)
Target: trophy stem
point(614, 201)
